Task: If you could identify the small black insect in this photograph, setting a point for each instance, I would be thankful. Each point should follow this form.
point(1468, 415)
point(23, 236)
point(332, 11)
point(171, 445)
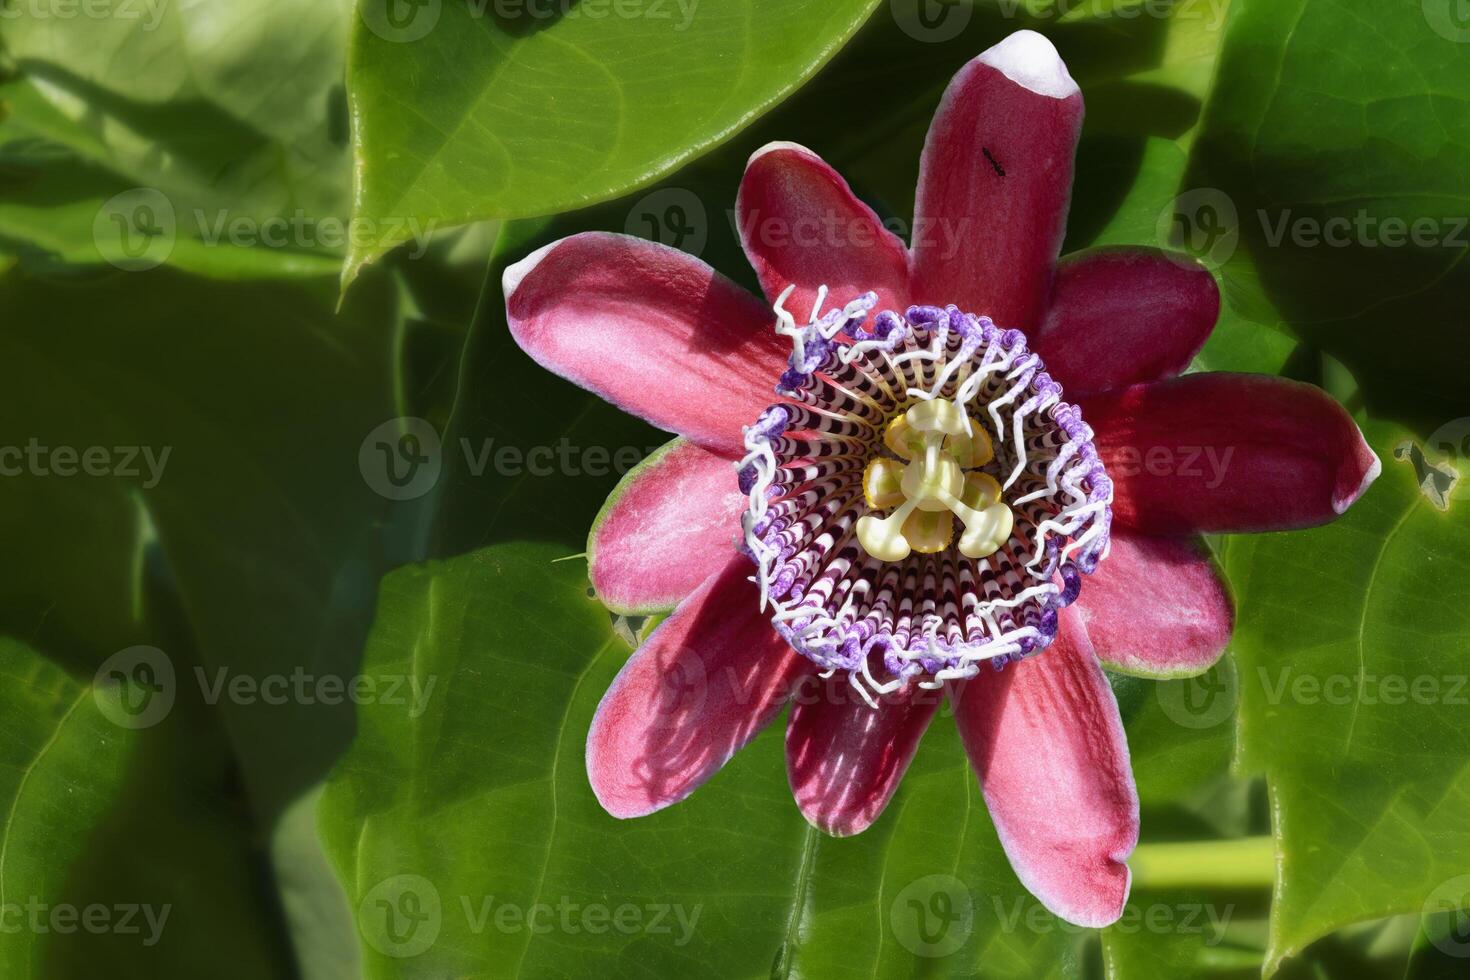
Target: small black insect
point(1000, 171)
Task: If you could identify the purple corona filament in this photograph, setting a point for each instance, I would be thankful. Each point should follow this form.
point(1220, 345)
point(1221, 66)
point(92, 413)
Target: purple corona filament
point(932, 615)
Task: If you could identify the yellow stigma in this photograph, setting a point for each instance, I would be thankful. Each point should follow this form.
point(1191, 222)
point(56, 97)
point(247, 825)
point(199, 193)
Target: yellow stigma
point(928, 487)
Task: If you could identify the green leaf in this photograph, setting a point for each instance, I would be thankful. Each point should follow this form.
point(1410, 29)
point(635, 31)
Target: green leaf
point(99, 832)
point(1352, 667)
point(218, 487)
point(63, 762)
point(1180, 743)
point(450, 819)
point(59, 210)
point(550, 107)
point(1239, 344)
point(215, 133)
point(1185, 933)
point(233, 524)
point(96, 832)
point(1336, 128)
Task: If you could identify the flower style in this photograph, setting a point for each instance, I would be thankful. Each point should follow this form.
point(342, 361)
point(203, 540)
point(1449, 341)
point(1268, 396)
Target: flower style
point(918, 509)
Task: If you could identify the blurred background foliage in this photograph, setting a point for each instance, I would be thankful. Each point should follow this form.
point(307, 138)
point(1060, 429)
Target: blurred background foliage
point(254, 233)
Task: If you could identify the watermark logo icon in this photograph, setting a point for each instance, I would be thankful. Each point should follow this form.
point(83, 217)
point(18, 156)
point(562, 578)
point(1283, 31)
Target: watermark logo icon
point(1451, 900)
point(136, 230)
point(933, 916)
point(672, 216)
point(401, 21)
point(135, 688)
point(401, 459)
point(1199, 702)
point(931, 21)
point(1203, 224)
point(1450, 19)
point(684, 686)
point(401, 916)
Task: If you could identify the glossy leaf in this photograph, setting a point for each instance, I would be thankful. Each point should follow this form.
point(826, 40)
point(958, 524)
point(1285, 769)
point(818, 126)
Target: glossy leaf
point(245, 548)
point(1336, 173)
point(623, 93)
point(209, 136)
point(1352, 676)
point(64, 760)
point(452, 820)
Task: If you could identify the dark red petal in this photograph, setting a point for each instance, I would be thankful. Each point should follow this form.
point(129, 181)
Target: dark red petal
point(844, 757)
point(1156, 607)
point(1228, 452)
point(699, 688)
point(669, 525)
point(801, 224)
point(1119, 316)
point(1046, 740)
point(995, 181)
point(653, 330)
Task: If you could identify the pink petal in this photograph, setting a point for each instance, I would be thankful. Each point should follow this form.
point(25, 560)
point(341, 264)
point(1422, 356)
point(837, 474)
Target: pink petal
point(844, 757)
point(1119, 316)
point(653, 330)
point(800, 223)
point(984, 241)
point(1156, 607)
point(669, 525)
point(1046, 740)
point(699, 688)
point(1228, 452)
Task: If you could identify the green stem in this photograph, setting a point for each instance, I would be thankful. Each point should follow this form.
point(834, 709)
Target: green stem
point(1249, 862)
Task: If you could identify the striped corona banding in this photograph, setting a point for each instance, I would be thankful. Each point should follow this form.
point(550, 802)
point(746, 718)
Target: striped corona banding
point(900, 539)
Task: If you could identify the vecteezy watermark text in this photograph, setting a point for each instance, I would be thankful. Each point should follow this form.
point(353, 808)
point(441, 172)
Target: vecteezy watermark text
point(1302, 687)
point(402, 916)
point(120, 919)
point(934, 916)
point(1205, 223)
point(150, 12)
point(301, 687)
point(1156, 918)
point(677, 217)
point(402, 458)
point(1210, 698)
point(124, 462)
point(831, 229)
point(138, 230)
point(136, 688)
point(1180, 461)
point(1363, 229)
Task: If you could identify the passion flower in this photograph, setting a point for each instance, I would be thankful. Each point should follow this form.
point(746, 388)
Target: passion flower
point(952, 449)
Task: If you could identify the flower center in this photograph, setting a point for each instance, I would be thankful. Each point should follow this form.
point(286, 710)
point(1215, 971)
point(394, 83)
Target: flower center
point(928, 486)
point(922, 500)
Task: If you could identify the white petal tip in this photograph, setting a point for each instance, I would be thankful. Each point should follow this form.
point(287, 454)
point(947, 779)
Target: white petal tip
point(511, 279)
point(775, 145)
point(1375, 470)
point(1029, 59)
